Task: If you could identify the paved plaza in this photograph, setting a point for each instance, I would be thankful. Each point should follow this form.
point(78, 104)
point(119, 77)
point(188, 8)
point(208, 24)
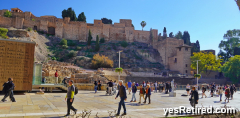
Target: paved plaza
point(54, 105)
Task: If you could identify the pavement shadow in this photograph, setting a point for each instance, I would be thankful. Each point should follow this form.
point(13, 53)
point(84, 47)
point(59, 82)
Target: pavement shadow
point(135, 104)
point(216, 101)
point(224, 102)
point(54, 117)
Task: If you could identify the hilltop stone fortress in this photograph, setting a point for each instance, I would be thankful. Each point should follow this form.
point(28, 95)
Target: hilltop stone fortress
point(175, 55)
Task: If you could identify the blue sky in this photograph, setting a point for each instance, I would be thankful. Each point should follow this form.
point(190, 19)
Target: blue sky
point(205, 20)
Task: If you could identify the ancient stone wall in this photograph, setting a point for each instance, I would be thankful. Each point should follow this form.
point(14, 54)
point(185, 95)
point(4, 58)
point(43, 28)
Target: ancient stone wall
point(5, 22)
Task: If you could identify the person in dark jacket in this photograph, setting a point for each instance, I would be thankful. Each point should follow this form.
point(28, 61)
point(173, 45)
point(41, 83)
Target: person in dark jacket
point(194, 97)
point(167, 87)
point(134, 90)
point(141, 93)
point(99, 85)
point(148, 94)
point(64, 81)
point(9, 90)
point(123, 96)
point(231, 91)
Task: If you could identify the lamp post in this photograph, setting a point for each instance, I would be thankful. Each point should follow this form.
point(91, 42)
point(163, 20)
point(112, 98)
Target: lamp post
point(197, 73)
point(119, 64)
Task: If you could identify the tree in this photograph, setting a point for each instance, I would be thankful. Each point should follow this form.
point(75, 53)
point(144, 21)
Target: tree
point(164, 33)
point(151, 35)
point(7, 14)
point(231, 69)
point(101, 61)
point(186, 38)
point(208, 62)
point(89, 38)
point(179, 35)
point(227, 48)
point(159, 37)
point(69, 13)
point(143, 24)
point(195, 48)
point(106, 21)
point(171, 34)
point(97, 47)
point(81, 17)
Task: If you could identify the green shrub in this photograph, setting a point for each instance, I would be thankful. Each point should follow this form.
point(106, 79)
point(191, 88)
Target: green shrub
point(29, 29)
point(97, 47)
point(64, 46)
point(53, 58)
point(63, 42)
point(109, 48)
point(3, 33)
point(124, 44)
point(33, 19)
point(133, 43)
point(102, 40)
point(7, 14)
point(40, 32)
point(35, 30)
point(72, 54)
point(78, 48)
point(71, 43)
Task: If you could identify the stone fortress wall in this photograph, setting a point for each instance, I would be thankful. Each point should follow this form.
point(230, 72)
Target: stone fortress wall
point(76, 30)
point(122, 31)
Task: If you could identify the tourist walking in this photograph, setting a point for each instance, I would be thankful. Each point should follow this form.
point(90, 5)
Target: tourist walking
point(148, 94)
point(231, 91)
point(56, 77)
point(110, 85)
point(144, 84)
point(155, 85)
point(220, 92)
point(95, 86)
point(141, 93)
point(203, 91)
point(123, 96)
point(188, 89)
point(166, 88)
point(212, 90)
point(70, 98)
point(227, 93)
point(129, 86)
point(99, 85)
point(8, 88)
point(134, 90)
point(194, 97)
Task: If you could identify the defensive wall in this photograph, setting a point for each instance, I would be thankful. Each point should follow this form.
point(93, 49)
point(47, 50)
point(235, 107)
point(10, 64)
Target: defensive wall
point(122, 31)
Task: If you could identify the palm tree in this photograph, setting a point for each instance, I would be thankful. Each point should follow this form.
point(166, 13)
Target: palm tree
point(143, 24)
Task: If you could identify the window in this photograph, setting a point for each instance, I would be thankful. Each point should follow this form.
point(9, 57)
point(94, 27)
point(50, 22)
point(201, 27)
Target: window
point(98, 22)
point(186, 71)
point(175, 60)
point(179, 49)
point(186, 49)
point(186, 65)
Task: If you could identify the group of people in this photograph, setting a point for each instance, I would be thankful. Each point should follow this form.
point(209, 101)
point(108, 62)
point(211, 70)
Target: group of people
point(227, 90)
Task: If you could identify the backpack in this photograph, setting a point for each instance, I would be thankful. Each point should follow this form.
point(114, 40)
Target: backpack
point(76, 90)
point(5, 87)
point(226, 91)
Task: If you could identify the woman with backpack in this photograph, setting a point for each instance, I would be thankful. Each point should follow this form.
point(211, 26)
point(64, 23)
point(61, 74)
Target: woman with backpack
point(99, 85)
point(227, 94)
